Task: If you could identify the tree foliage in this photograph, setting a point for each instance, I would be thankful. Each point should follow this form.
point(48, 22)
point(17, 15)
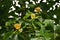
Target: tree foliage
point(38, 21)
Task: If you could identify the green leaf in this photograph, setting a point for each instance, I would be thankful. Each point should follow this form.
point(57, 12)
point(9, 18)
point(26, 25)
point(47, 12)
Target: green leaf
point(34, 25)
point(16, 37)
point(8, 35)
point(26, 16)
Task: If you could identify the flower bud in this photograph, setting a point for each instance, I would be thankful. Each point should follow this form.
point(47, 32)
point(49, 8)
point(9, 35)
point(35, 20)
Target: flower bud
point(33, 16)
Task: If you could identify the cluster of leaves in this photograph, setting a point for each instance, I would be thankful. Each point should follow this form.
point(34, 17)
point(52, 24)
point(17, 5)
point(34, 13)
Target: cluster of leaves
point(40, 26)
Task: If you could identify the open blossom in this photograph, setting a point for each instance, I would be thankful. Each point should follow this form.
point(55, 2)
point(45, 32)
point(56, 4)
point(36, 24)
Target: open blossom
point(37, 9)
point(17, 26)
point(33, 16)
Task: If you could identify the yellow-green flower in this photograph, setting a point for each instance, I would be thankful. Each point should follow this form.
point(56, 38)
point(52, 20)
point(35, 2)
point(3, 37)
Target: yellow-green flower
point(20, 30)
point(33, 16)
